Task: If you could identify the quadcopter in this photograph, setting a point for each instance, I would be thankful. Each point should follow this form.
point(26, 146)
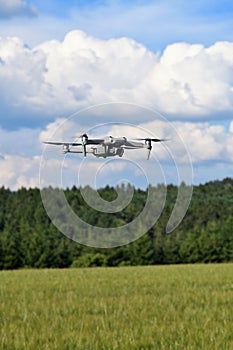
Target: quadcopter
point(106, 147)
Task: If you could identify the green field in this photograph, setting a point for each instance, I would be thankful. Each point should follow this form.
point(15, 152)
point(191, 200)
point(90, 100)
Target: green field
point(153, 307)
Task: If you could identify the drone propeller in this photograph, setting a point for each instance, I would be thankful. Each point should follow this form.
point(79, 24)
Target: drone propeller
point(148, 143)
point(84, 141)
point(149, 139)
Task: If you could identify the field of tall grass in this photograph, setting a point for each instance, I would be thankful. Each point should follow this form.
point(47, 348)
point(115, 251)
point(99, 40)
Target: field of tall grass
point(151, 307)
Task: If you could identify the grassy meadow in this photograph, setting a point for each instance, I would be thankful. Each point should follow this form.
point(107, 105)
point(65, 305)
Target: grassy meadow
point(151, 307)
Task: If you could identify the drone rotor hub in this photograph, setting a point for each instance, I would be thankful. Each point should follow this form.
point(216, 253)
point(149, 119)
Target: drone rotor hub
point(148, 144)
point(65, 148)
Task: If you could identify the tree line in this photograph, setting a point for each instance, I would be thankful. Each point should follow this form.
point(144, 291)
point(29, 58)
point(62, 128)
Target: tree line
point(28, 238)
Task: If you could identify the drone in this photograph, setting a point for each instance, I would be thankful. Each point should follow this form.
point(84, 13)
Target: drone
point(106, 147)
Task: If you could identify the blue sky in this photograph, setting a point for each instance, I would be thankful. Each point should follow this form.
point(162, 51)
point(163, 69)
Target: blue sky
point(57, 57)
point(153, 23)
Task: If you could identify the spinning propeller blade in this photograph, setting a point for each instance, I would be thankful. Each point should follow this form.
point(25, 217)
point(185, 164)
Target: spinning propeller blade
point(149, 139)
point(148, 143)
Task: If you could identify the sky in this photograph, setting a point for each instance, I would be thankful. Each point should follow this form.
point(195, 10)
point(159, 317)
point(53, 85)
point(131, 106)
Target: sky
point(159, 68)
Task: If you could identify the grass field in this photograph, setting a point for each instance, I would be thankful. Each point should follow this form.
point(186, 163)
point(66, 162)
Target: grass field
point(154, 307)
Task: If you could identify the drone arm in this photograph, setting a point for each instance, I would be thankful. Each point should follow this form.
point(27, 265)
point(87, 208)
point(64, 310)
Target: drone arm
point(62, 143)
point(95, 141)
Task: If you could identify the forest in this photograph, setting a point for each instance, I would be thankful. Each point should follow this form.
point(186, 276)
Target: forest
point(28, 238)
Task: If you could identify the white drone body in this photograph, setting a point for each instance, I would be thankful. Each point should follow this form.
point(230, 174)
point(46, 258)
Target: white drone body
point(106, 147)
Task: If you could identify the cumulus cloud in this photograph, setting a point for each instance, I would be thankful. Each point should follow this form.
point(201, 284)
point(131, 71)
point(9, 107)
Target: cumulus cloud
point(205, 143)
point(41, 86)
point(11, 8)
point(18, 171)
point(56, 130)
point(202, 141)
point(57, 78)
point(231, 127)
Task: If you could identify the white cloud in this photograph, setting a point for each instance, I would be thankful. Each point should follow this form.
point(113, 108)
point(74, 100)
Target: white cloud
point(205, 143)
point(24, 93)
point(231, 127)
point(202, 141)
point(60, 129)
point(12, 8)
point(57, 78)
point(192, 80)
point(17, 171)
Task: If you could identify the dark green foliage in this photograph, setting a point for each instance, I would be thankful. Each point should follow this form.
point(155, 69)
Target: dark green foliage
point(29, 239)
point(90, 260)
